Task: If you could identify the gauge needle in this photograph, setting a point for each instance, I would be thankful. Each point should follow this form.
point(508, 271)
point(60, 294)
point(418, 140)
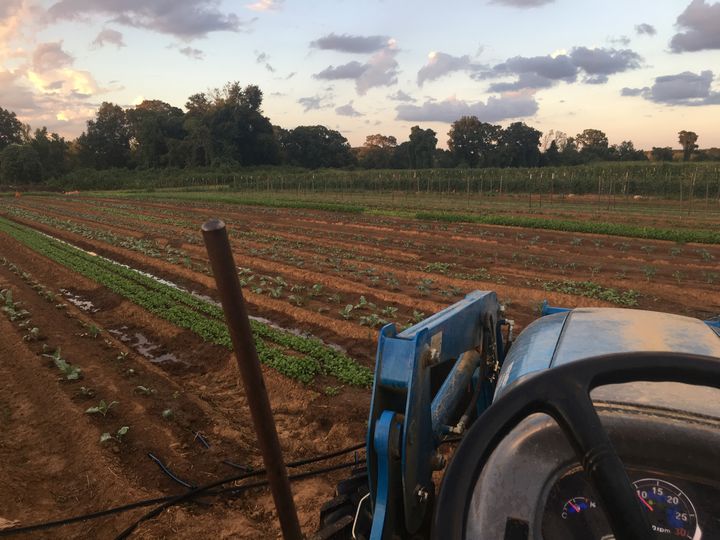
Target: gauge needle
point(575, 506)
point(645, 503)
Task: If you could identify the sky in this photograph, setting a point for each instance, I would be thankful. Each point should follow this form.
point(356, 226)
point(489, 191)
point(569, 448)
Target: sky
point(639, 70)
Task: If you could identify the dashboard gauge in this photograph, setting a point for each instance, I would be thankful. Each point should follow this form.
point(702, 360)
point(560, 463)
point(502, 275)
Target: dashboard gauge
point(670, 511)
point(577, 505)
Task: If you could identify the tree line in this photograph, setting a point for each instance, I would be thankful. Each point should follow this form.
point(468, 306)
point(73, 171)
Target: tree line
point(226, 128)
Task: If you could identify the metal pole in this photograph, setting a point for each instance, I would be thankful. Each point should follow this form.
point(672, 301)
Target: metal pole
point(225, 272)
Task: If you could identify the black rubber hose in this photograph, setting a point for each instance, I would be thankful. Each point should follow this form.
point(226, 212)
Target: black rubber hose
point(168, 472)
point(235, 490)
point(150, 502)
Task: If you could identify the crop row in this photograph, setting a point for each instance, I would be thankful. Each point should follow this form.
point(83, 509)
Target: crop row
point(202, 317)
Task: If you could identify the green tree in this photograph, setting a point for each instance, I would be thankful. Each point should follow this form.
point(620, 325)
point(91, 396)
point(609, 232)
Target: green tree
point(592, 144)
point(625, 151)
point(153, 124)
point(422, 147)
point(316, 146)
point(106, 143)
point(520, 145)
point(551, 157)
point(688, 139)
point(239, 132)
point(11, 129)
point(377, 152)
point(20, 164)
point(662, 153)
point(52, 151)
point(473, 142)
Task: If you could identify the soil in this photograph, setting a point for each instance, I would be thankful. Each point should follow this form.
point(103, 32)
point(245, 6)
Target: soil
point(52, 464)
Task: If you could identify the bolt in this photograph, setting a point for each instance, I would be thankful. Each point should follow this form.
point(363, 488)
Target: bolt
point(422, 495)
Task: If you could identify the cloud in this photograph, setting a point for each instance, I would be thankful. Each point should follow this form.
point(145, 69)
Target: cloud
point(266, 5)
point(314, 103)
point(494, 110)
point(190, 52)
point(48, 56)
point(605, 61)
point(687, 88)
point(264, 58)
point(525, 80)
point(620, 40)
point(522, 3)
point(351, 44)
point(351, 70)
point(379, 70)
point(348, 110)
point(186, 20)
point(645, 29)
point(633, 91)
point(109, 36)
point(700, 23)
point(401, 96)
point(538, 72)
point(440, 64)
point(558, 67)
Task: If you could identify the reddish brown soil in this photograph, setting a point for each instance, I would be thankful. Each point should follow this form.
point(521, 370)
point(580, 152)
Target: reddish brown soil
point(42, 420)
point(44, 424)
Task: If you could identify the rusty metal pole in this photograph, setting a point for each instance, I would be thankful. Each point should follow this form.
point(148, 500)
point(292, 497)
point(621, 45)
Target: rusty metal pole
point(225, 272)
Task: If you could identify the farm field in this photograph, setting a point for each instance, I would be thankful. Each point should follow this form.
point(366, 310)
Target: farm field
point(117, 285)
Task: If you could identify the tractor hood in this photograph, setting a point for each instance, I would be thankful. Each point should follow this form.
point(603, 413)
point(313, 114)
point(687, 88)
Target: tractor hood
point(586, 332)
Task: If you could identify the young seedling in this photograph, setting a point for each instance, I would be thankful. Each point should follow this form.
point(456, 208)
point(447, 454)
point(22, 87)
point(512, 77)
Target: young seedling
point(101, 408)
point(121, 356)
point(72, 373)
point(346, 312)
point(86, 392)
point(105, 437)
point(144, 390)
point(168, 414)
point(32, 335)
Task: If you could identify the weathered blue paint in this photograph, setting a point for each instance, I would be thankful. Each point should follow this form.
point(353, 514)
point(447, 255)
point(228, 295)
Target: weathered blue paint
point(569, 335)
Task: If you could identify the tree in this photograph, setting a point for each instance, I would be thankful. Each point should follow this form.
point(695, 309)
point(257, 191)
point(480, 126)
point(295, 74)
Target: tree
point(238, 131)
point(20, 164)
point(52, 151)
point(473, 142)
point(377, 152)
point(519, 145)
point(625, 151)
point(11, 129)
point(316, 146)
point(662, 154)
point(593, 144)
point(688, 139)
point(551, 157)
point(106, 143)
point(422, 147)
point(152, 125)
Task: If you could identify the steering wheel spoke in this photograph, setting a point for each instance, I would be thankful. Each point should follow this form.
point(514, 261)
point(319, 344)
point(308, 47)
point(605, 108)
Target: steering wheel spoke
point(574, 411)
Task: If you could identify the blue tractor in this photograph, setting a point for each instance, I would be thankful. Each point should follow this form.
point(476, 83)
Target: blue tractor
point(595, 423)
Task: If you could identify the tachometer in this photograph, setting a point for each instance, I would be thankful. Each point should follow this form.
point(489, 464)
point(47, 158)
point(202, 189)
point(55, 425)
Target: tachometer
point(671, 512)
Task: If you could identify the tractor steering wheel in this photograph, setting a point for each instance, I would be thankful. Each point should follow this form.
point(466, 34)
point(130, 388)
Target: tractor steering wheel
point(563, 393)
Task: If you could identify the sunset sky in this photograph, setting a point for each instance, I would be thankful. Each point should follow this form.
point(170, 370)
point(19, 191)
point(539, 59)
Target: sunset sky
point(640, 70)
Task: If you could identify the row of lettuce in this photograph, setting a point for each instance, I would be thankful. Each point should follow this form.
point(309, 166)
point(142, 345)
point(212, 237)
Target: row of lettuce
point(298, 357)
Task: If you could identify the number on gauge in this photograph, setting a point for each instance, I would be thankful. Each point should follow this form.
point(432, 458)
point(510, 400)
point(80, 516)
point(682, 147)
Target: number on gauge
point(670, 511)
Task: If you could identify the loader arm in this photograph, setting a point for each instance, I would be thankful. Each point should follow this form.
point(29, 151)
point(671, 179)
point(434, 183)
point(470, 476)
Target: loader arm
point(425, 377)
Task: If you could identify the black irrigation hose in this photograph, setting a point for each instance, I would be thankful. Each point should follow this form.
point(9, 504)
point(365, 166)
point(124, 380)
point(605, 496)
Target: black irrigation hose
point(235, 490)
point(301, 462)
point(159, 500)
point(169, 473)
